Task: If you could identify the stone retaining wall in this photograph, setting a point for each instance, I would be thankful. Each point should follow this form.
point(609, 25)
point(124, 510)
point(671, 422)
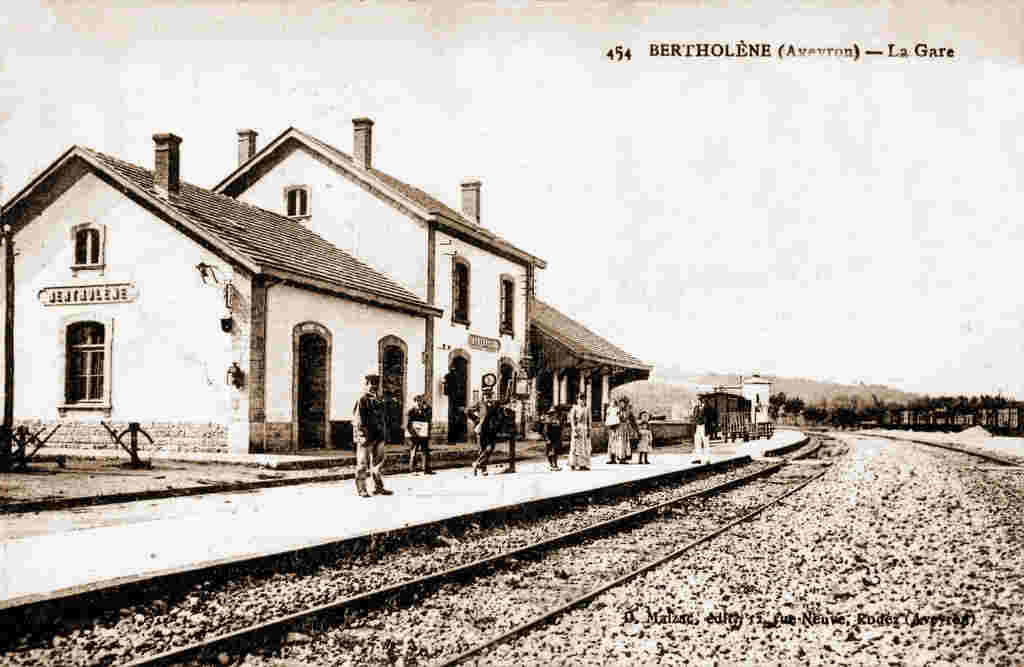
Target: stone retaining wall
point(167, 436)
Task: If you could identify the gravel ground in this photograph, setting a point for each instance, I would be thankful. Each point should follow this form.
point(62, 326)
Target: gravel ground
point(458, 615)
point(135, 632)
point(84, 479)
point(900, 555)
point(974, 438)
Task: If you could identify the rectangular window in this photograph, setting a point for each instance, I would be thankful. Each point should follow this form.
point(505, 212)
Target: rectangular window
point(297, 201)
point(507, 297)
point(460, 293)
point(88, 247)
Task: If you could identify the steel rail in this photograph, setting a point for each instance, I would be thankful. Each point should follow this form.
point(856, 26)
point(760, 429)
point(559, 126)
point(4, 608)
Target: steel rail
point(586, 597)
point(952, 448)
point(259, 632)
point(36, 611)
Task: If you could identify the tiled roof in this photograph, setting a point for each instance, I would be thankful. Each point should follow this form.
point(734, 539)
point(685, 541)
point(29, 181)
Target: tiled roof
point(267, 239)
point(581, 340)
point(403, 189)
point(406, 190)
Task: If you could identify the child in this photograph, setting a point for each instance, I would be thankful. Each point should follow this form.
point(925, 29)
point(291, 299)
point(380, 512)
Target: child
point(646, 443)
point(553, 431)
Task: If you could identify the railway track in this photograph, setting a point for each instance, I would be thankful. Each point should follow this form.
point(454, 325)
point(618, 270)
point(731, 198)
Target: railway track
point(953, 448)
point(536, 576)
point(146, 616)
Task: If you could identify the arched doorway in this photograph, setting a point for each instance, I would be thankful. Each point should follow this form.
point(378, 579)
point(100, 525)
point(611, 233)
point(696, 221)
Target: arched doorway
point(457, 385)
point(392, 357)
point(312, 391)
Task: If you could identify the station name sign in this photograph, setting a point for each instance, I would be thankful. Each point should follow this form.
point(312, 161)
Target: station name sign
point(484, 343)
point(88, 294)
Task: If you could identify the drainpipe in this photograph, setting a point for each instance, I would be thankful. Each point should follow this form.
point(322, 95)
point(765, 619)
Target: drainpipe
point(8, 330)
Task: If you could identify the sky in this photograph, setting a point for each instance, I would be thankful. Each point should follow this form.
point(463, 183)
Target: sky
point(819, 217)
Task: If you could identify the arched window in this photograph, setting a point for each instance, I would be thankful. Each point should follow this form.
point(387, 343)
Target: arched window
point(460, 291)
point(86, 363)
point(88, 240)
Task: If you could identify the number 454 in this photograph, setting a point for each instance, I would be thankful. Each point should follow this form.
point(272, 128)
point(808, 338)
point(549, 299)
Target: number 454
point(618, 53)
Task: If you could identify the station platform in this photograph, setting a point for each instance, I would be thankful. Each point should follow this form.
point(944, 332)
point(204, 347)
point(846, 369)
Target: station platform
point(60, 553)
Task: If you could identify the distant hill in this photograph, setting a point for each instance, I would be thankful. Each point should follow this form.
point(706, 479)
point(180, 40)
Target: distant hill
point(658, 398)
point(678, 388)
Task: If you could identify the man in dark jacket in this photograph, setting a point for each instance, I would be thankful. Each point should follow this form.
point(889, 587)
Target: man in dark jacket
point(488, 433)
point(418, 426)
point(369, 432)
point(507, 427)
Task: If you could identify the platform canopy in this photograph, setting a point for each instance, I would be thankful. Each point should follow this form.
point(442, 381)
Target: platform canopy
point(568, 358)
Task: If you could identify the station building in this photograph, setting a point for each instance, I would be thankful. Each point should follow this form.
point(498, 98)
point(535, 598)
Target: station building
point(243, 318)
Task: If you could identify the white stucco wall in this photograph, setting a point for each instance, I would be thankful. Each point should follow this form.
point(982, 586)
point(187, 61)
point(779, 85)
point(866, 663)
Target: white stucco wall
point(396, 244)
point(168, 356)
point(355, 331)
point(350, 218)
point(758, 391)
point(486, 270)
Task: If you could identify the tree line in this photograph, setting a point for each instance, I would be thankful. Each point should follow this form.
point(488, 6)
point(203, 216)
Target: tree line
point(851, 410)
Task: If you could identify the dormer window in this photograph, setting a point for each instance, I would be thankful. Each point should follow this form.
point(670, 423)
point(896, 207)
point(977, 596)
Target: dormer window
point(296, 201)
point(88, 240)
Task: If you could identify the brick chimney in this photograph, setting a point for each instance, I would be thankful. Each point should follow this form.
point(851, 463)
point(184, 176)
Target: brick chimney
point(167, 165)
point(246, 145)
point(362, 141)
point(471, 200)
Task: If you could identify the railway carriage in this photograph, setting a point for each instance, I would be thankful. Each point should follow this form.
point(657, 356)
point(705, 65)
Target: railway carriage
point(729, 416)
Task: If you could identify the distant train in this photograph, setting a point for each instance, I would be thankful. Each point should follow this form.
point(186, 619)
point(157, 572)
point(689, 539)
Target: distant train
point(729, 416)
point(1002, 421)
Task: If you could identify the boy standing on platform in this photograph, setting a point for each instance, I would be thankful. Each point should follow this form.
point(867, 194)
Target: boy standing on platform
point(553, 435)
point(368, 432)
point(418, 425)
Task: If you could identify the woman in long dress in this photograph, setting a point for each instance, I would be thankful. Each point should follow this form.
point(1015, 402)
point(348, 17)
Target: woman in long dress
point(632, 432)
point(579, 447)
point(700, 439)
point(618, 444)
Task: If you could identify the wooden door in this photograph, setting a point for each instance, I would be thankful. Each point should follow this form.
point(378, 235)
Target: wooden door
point(312, 392)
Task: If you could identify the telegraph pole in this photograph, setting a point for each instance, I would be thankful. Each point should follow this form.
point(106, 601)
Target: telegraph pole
point(8, 427)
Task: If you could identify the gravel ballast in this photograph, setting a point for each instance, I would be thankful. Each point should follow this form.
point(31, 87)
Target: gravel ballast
point(459, 615)
point(900, 555)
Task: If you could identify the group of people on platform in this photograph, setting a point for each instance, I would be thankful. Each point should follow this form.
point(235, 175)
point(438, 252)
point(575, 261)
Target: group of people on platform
point(627, 433)
point(490, 420)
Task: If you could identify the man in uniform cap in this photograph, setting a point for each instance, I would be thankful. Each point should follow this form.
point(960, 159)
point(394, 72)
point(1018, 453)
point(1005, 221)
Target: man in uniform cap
point(369, 432)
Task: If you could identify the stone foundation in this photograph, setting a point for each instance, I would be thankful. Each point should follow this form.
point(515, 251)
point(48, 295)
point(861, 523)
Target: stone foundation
point(167, 436)
point(279, 437)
